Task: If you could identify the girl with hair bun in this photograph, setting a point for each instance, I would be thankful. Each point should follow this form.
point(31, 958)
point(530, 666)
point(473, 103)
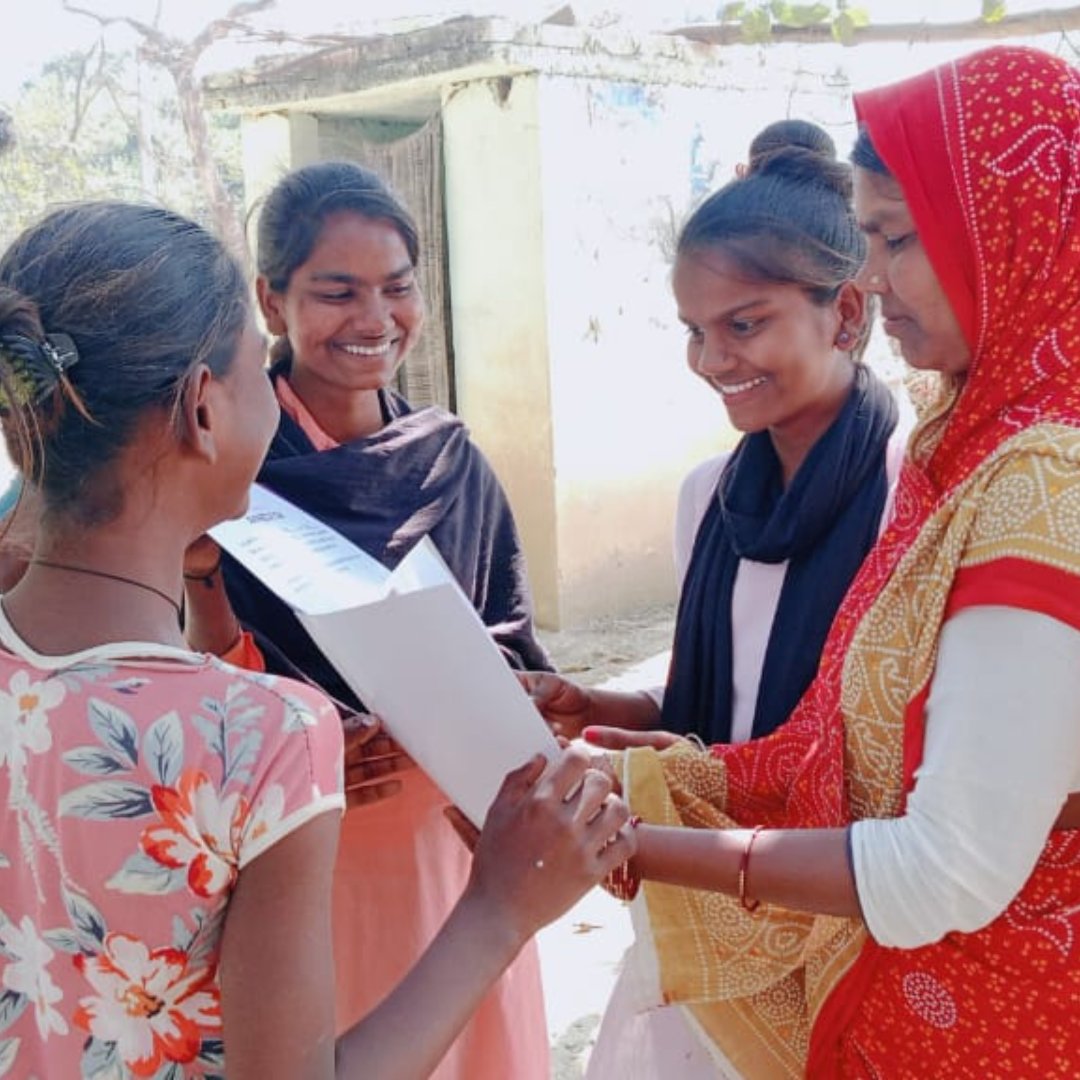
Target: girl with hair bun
point(170, 821)
point(784, 134)
point(769, 536)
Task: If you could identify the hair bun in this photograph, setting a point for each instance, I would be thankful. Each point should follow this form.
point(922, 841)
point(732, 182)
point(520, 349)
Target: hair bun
point(784, 134)
point(801, 152)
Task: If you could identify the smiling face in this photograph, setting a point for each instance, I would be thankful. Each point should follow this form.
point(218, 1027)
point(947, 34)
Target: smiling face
point(774, 355)
point(914, 308)
point(352, 311)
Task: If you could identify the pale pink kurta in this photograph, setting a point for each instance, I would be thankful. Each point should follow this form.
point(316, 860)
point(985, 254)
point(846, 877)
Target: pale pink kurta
point(400, 870)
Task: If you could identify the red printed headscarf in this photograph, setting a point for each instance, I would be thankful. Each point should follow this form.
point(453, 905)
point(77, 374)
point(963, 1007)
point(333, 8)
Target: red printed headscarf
point(987, 153)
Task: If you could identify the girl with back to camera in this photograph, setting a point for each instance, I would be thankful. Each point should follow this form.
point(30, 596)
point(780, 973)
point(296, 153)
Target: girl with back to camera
point(170, 821)
point(336, 259)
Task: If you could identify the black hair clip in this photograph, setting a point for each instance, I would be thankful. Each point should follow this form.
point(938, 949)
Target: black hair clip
point(60, 352)
point(33, 368)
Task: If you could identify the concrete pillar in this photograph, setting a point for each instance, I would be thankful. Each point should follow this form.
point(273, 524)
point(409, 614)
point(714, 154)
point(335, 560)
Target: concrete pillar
point(271, 145)
point(498, 303)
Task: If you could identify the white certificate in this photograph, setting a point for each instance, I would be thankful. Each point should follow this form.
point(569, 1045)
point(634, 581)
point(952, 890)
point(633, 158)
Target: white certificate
point(408, 642)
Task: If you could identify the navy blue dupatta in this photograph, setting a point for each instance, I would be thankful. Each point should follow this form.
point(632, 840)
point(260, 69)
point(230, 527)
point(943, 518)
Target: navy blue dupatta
point(823, 525)
point(419, 475)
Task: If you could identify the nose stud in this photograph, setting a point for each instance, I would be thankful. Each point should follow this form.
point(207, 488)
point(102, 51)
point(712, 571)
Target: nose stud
point(875, 280)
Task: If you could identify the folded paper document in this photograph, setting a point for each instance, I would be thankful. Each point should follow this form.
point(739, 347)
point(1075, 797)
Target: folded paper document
point(407, 641)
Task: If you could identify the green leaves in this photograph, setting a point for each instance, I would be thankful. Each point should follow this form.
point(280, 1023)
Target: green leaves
point(847, 22)
point(759, 19)
point(799, 16)
point(993, 10)
point(756, 25)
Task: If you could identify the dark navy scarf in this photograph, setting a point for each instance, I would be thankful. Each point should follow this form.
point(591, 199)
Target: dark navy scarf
point(823, 524)
point(419, 475)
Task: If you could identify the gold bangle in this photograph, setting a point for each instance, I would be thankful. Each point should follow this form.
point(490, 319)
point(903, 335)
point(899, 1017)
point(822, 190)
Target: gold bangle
point(744, 869)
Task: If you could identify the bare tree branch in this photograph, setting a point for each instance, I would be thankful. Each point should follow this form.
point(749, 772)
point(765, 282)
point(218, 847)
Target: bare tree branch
point(1031, 23)
point(87, 90)
point(148, 32)
point(115, 93)
point(229, 22)
point(179, 58)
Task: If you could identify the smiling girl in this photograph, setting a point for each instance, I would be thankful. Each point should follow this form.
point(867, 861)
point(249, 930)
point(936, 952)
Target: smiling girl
point(769, 536)
point(337, 258)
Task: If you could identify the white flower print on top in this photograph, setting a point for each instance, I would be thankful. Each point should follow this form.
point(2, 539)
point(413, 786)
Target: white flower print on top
point(24, 721)
point(151, 1004)
point(200, 832)
point(27, 973)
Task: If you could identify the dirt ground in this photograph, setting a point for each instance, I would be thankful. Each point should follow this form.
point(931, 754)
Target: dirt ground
point(581, 952)
point(607, 649)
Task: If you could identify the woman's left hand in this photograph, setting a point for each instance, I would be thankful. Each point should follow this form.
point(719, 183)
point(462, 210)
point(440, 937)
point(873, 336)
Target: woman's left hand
point(373, 762)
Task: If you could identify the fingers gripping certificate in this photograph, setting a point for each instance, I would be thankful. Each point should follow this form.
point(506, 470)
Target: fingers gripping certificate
point(407, 641)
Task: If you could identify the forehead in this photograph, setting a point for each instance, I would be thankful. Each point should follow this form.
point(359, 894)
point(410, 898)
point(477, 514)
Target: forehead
point(351, 242)
point(708, 285)
point(879, 201)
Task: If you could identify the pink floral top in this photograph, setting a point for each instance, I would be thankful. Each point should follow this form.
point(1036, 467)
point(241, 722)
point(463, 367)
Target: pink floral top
point(136, 782)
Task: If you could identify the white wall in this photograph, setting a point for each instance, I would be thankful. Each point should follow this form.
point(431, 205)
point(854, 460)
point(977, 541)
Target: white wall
point(621, 165)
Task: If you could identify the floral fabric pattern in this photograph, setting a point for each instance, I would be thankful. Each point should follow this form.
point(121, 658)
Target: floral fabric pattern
point(134, 791)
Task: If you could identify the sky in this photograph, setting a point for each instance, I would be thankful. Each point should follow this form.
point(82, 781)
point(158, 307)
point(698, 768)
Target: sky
point(43, 29)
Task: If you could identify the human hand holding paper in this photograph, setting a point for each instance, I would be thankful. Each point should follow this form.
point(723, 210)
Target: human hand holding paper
point(553, 832)
point(408, 642)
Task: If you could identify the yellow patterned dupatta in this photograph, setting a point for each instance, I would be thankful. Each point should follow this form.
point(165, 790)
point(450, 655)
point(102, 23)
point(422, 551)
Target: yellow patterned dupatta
point(987, 512)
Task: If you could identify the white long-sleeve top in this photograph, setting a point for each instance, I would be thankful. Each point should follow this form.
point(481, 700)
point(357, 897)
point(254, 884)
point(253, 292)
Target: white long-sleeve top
point(1001, 755)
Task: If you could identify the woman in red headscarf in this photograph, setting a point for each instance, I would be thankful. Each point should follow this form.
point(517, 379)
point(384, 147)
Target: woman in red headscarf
point(888, 886)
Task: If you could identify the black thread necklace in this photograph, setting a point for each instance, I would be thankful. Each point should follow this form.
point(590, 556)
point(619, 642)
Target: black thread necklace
point(174, 604)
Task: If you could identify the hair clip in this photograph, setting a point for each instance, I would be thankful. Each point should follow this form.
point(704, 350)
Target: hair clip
point(33, 368)
point(60, 352)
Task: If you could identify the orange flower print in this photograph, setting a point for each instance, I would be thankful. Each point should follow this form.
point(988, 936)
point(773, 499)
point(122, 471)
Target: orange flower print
point(149, 1003)
point(199, 830)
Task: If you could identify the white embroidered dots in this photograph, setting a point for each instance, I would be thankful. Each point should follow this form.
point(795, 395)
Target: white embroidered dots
point(929, 1000)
